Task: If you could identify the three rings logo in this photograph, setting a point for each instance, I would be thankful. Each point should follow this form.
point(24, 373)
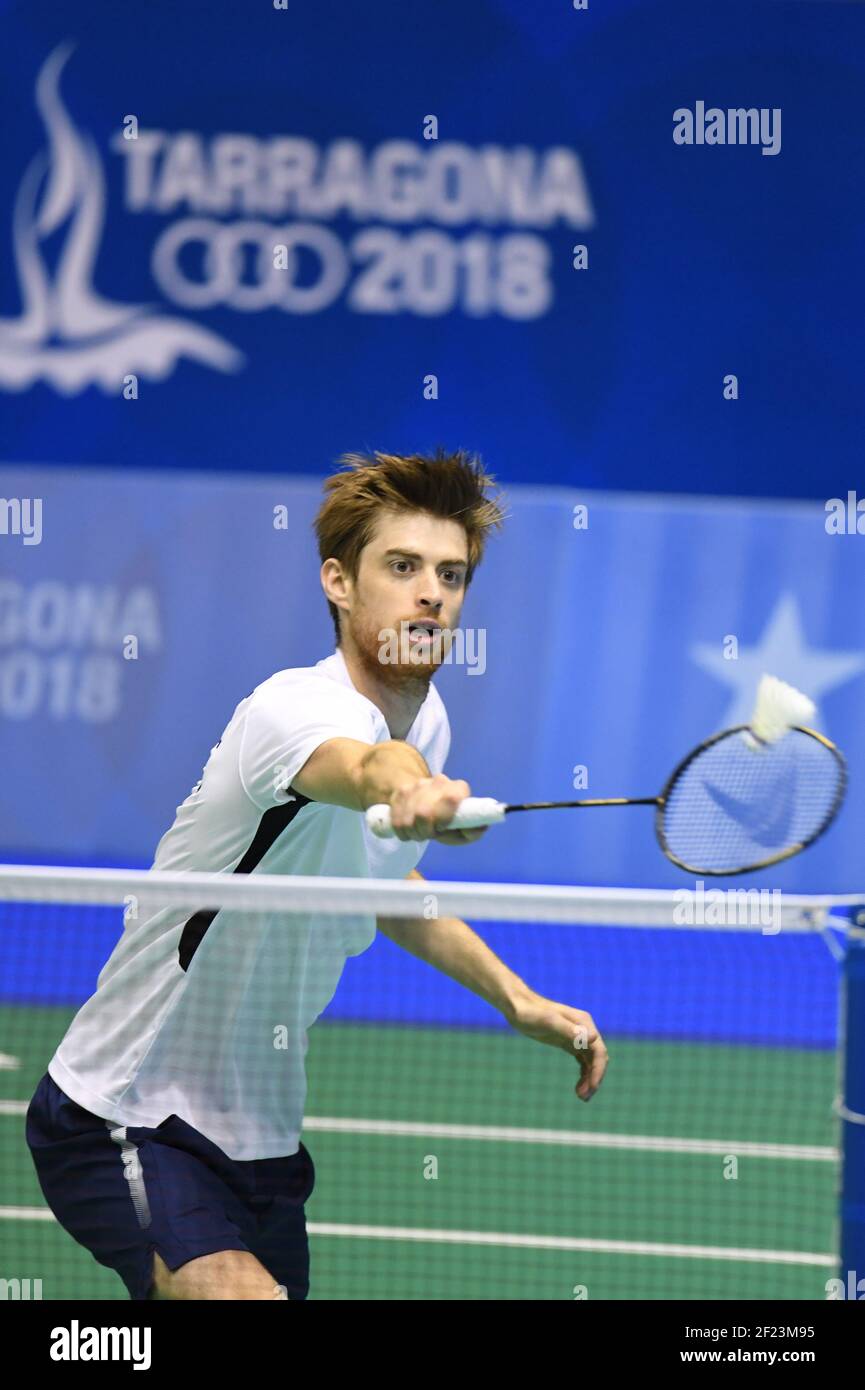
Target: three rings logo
point(245, 228)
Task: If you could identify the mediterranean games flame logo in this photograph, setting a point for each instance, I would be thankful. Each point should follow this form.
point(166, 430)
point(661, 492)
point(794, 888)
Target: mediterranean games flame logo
point(67, 334)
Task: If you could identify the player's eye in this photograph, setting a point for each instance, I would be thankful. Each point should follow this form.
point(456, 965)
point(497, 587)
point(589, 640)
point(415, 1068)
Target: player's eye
point(395, 563)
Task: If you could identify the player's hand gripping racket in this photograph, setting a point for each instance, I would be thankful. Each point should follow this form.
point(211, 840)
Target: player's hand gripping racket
point(744, 799)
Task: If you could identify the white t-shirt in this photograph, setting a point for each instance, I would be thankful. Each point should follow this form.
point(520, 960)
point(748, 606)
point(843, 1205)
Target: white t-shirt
point(206, 1017)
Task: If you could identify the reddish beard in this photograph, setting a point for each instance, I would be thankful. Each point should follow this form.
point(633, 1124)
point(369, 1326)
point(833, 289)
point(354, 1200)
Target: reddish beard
point(398, 674)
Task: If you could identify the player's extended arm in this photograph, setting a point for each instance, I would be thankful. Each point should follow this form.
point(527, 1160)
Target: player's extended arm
point(347, 772)
point(450, 945)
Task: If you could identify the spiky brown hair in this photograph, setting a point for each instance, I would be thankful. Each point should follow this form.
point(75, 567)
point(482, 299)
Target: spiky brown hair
point(453, 485)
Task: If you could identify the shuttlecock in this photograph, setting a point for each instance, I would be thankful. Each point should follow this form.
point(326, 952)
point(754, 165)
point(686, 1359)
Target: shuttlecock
point(779, 707)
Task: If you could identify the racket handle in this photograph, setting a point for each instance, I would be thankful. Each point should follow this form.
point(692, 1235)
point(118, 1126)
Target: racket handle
point(471, 813)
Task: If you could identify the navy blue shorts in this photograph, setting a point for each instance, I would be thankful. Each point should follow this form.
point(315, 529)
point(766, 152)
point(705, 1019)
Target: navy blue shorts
point(168, 1189)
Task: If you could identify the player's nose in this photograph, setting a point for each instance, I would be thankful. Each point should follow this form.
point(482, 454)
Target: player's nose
point(430, 596)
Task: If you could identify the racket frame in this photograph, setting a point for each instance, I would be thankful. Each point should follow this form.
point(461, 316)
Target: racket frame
point(775, 858)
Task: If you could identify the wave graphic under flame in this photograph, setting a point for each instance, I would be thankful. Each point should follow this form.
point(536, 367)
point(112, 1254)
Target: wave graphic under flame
point(67, 333)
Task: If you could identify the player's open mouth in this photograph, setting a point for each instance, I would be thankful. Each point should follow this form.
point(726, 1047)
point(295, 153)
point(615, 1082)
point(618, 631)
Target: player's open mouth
point(422, 633)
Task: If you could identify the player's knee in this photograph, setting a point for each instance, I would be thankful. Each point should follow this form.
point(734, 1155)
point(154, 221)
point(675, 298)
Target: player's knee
point(226, 1274)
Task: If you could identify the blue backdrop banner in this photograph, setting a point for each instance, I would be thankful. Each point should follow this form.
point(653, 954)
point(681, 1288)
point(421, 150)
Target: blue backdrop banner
point(602, 637)
point(616, 247)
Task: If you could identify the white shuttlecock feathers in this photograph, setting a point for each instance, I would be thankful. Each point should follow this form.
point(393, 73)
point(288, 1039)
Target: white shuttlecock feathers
point(779, 707)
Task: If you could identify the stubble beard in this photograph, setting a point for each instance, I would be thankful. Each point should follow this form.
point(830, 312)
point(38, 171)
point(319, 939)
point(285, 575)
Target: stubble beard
point(408, 678)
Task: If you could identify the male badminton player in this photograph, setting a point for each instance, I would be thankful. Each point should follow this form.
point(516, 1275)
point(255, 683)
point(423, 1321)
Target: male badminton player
point(166, 1131)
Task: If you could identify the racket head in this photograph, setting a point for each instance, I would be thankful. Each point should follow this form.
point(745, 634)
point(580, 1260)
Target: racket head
point(732, 808)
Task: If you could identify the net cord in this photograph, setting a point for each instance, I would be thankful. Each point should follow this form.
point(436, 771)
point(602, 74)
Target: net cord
point(530, 903)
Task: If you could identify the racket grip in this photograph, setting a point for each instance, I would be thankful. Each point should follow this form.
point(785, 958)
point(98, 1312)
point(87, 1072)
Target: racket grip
point(472, 812)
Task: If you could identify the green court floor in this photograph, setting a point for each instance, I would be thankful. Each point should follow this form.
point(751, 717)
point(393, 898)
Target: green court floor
point(458, 1164)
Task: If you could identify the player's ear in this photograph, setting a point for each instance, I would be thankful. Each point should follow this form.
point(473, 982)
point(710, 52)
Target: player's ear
point(335, 582)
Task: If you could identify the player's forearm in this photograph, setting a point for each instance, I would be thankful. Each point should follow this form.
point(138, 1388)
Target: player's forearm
point(385, 769)
point(453, 947)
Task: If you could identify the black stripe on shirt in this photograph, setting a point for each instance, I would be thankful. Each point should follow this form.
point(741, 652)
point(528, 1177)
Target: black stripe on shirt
point(270, 827)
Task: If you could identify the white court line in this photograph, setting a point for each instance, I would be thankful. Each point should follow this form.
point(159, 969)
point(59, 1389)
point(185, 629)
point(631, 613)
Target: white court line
point(637, 1143)
point(603, 1247)
point(569, 1138)
point(505, 1238)
point(26, 1214)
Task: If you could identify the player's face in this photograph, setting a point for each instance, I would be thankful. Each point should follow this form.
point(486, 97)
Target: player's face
point(412, 572)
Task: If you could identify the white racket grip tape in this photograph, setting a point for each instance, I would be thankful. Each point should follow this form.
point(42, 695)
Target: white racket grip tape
point(471, 813)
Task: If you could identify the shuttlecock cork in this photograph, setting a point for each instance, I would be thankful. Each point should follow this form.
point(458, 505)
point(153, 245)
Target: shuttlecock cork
point(779, 707)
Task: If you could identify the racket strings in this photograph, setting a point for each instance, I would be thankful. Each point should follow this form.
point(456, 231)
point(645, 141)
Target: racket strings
point(736, 805)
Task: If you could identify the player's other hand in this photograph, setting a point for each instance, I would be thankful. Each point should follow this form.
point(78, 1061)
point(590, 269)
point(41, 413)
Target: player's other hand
point(572, 1030)
point(419, 810)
